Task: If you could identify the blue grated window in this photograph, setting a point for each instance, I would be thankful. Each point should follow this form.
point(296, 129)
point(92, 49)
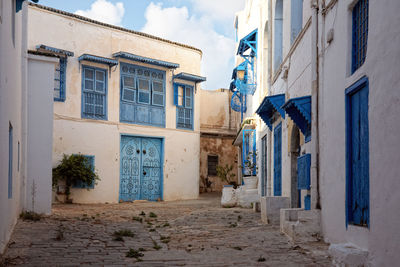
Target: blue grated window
point(59, 80)
point(94, 93)
point(360, 34)
point(183, 99)
point(80, 184)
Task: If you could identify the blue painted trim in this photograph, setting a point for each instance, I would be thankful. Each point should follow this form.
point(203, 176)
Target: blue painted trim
point(354, 88)
point(63, 80)
point(94, 84)
point(152, 61)
point(46, 48)
point(184, 104)
point(269, 106)
point(97, 59)
point(307, 202)
point(10, 161)
point(162, 160)
point(299, 110)
point(190, 77)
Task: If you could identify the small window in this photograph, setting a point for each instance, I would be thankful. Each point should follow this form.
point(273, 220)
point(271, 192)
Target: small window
point(128, 89)
point(183, 99)
point(212, 162)
point(94, 93)
point(59, 80)
point(360, 34)
point(90, 162)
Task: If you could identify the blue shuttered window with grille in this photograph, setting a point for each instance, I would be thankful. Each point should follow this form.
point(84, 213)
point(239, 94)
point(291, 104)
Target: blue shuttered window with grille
point(357, 153)
point(183, 99)
point(59, 80)
point(360, 34)
point(142, 95)
point(80, 184)
point(94, 93)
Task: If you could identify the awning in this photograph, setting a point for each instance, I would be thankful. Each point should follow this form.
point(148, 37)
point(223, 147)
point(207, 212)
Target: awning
point(104, 60)
point(190, 77)
point(269, 106)
point(249, 41)
point(152, 61)
point(49, 49)
point(299, 110)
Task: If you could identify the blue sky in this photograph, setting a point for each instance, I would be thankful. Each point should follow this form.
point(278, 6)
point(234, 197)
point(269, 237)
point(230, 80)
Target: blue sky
point(206, 24)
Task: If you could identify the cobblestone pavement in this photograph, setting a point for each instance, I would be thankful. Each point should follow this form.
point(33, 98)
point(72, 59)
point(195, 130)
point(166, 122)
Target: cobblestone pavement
point(191, 233)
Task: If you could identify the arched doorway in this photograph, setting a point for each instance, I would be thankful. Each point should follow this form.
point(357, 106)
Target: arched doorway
point(294, 154)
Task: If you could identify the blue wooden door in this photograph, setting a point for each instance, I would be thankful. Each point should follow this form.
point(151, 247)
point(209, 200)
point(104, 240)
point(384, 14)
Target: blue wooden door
point(358, 157)
point(264, 166)
point(140, 170)
point(278, 160)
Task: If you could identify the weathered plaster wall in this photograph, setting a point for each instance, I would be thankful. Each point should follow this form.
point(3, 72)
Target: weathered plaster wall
point(12, 110)
point(72, 134)
point(218, 129)
point(382, 238)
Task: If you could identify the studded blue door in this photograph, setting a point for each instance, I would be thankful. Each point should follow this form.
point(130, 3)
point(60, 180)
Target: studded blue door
point(278, 160)
point(140, 173)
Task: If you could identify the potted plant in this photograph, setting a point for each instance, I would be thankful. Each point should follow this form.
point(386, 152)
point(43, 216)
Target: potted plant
point(229, 197)
point(72, 170)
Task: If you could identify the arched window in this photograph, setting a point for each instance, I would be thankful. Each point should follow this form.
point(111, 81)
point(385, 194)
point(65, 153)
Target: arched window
point(296, 19)
point(278, 33)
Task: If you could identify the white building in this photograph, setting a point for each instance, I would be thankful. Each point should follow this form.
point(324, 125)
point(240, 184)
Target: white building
point(327, 93)
point(26, 82)
point(129, 101)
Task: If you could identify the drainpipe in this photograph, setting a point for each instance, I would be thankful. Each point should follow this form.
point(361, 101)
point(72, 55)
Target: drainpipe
point(269, 167)
point(314, 107)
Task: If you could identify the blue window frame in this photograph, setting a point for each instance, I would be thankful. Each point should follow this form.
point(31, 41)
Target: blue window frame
point(360, 34)
point(278, 34)
point(296, 19)
point(142, 95)
point(94, 93)
point(80, 184)
point(357, 154)
point(183, 99)
point(59, 80)
point(10, 160)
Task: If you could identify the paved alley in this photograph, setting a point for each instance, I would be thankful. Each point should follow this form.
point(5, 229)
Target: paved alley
point(195, 232)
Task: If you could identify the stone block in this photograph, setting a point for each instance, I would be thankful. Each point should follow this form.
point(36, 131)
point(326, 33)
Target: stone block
point(348, 255)
point(270, 208)
point(300, 224)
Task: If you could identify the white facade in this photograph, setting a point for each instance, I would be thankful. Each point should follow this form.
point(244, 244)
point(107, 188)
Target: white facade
point(25, 134)
point(318, 63)
point(74, 134)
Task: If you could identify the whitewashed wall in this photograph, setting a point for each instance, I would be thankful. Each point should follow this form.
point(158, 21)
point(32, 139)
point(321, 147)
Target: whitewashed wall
point(72, 134)
point(382, 239)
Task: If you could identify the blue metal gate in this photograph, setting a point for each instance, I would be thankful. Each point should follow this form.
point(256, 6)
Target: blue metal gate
point(140, 169)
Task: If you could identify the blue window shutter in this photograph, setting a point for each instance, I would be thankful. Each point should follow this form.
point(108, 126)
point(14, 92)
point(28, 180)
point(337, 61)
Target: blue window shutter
point(94, 93)
point(175, 94)
point(303, 171)
point(278, 160)
point(307, 202)
point(357, 154)
point(359, 34)
point(10, 160)
point(296, 19)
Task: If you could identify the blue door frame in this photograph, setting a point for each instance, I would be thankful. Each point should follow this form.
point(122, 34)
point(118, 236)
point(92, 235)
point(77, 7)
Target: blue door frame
point(278, 160)
point(141, 168)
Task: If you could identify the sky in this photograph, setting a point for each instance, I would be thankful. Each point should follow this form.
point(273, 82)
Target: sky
point(205, 24)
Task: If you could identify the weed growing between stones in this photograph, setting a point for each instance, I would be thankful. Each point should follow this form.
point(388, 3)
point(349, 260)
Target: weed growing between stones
point(239, 218)
point(156, 246)
point(138, 219)
point(133, 253)
point(261, 259)
point(152, 215)
point(152, 230)
point(30, 216)
point(232, 225)
point(237, 248)
point(142, 213)
point(142, 249)
point(123, 232)
point(166, 225)
point(165, 239)
point(60, 233)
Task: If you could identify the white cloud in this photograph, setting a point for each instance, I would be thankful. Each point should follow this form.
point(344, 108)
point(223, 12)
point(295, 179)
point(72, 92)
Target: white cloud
point(104, 11)
point(219, 9)
point(176, 24)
